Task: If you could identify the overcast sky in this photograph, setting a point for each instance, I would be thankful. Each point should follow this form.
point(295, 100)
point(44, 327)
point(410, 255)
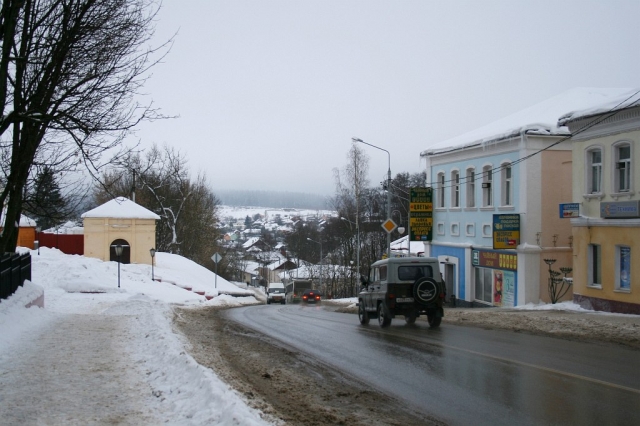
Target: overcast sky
point(270, 93)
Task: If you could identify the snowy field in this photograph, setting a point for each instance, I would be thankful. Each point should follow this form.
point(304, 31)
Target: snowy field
point(269, 213)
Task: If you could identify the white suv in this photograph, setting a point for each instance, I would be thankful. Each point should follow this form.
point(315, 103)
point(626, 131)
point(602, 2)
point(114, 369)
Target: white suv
point(275, 293)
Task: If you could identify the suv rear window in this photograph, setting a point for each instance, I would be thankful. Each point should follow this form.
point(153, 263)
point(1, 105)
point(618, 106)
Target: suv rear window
point(412, 273)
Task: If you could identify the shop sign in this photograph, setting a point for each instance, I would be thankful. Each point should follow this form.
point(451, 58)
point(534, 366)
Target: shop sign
point(568, 210)
point(620, 209)
point(420, 214)
point(494, 260)
point(506, 231)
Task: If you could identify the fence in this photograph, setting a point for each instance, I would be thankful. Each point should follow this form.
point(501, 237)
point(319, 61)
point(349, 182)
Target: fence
point(14, 269)
point(66, 243)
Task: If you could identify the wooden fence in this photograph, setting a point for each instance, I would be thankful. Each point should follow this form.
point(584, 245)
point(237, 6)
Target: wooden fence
point(14, 269)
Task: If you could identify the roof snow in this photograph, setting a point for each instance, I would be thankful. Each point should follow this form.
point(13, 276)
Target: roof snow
point(626, 100)
point(540, 119)
point(121, 208)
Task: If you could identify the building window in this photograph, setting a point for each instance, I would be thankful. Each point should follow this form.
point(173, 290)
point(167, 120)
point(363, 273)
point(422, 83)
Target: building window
point(594, 171)
point(441, 190)
point(594, 277)
point(471, 188)
point(484, 284)
point(487, 230)
point(622, 168)
point(440, 228)
point(455, 229)
point(507, 185)
point(487, 183)
point(455, 189)
point(623, 268)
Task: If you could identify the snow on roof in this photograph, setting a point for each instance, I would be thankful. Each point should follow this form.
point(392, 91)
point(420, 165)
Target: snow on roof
point(121, 208)
point(541, 119)
point(628, 99)
point(250, 242)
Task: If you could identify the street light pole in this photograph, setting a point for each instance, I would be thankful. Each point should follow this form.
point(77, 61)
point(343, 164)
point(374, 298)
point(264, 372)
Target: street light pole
point(314, 241)
point(118, 249)
point(153, 255)
point(354, 140)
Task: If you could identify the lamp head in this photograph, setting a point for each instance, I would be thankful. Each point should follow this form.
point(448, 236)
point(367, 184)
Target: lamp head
point(119, 250)
point(153, 252)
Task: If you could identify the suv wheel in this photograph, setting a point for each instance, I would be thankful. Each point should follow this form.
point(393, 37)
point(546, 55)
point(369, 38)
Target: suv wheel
point(363, 315)
point(425, 290)
point(384, 318)
point(434, 321)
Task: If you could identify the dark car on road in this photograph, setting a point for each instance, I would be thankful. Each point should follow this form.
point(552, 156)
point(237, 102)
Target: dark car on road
point(402, 286)
point(311, 296)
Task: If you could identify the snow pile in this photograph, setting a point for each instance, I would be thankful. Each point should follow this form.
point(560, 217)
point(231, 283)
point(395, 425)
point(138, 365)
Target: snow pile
point(160, 378)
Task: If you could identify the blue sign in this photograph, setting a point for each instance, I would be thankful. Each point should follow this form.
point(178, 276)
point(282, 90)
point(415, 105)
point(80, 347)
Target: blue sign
point(622, 209)
point(569, 210)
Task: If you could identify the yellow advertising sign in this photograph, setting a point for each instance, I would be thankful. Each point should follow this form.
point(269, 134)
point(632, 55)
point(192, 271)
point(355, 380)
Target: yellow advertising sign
point(420, 214)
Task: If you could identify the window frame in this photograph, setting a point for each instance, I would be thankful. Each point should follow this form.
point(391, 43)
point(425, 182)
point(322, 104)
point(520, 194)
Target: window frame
point(440, 191)
point(471, 187)
point(594, 265)
point(506, 184)
point(455, 189)
point(487, 192)
point(616, 161)
point(589, 187)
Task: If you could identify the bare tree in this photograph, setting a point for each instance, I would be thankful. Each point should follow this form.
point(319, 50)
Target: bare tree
point(69, 72)
point(162, 183)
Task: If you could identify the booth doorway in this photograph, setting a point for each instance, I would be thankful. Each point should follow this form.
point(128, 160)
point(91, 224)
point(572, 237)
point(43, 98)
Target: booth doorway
point(126, 251)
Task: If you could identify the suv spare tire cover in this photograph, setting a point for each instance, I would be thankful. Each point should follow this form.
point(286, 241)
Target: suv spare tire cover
point(425, 290)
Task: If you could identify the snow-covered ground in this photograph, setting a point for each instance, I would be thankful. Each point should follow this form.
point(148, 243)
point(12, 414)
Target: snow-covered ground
point(97, 353)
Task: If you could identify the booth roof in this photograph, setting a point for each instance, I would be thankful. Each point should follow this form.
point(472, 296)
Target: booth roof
point(121, 208)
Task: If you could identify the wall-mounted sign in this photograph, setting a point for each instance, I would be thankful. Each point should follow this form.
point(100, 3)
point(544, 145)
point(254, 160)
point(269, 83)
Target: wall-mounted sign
point(620, 209)
point(506, 231)
point(494, 260)
point(568, 210)
point(420, 214)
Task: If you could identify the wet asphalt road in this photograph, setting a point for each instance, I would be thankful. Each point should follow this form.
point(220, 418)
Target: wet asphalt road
point(466, 375)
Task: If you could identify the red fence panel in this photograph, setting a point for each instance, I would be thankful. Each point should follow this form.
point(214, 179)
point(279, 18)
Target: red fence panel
point(66, 243)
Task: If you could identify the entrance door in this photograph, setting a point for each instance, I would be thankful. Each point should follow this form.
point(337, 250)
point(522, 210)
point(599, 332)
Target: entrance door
point(449, 279)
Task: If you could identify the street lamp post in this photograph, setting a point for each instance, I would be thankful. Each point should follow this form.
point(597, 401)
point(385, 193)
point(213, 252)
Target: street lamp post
point(354, 140)
point(37, 242)
point(153, 255)
point(357, 247)
point(118, 249)
point(314, 241)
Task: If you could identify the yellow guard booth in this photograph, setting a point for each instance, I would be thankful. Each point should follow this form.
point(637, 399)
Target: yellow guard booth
point(120, 221)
